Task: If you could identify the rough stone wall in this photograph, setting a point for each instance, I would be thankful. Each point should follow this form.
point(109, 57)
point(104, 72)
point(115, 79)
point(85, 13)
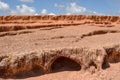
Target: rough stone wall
point(113, 53)
point(84, 56)
point(60, 17)
point(13, 23)
point(22, 63)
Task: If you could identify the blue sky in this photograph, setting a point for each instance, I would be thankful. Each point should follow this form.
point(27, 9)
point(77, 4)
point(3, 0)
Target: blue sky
point(59, 7)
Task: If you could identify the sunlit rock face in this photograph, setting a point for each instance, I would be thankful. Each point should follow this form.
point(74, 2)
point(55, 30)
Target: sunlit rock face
point(30, 44)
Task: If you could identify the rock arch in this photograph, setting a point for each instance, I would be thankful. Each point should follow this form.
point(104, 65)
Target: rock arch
point(63, 62)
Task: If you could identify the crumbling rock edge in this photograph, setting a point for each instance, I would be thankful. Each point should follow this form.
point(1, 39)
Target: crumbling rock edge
point(86, 57)
point(15, 23)
point(97, 32)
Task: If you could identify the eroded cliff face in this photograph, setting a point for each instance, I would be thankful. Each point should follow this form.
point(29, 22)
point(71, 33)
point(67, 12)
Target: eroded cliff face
point(13, 23)
point(61, 17)
point(23, 63)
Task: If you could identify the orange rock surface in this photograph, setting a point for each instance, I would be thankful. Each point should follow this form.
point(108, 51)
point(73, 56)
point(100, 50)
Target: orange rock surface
point(70, 47)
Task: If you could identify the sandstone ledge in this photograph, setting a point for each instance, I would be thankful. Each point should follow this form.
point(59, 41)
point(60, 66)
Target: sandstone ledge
point(13, 23)
point(21, 63)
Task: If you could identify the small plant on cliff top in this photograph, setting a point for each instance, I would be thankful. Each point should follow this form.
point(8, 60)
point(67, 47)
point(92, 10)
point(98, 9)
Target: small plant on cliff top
point(95, 19)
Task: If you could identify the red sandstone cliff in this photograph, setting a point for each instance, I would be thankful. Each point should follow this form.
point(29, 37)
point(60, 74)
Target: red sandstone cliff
point(61, 17)
point(10, 23)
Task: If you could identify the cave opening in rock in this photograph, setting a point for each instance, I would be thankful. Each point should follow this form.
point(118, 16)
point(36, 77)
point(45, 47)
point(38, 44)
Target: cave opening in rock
point(65, 64)
point(35, 71)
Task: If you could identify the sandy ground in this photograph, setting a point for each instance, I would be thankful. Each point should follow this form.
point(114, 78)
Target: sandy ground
point(112, 73)
point(69, 36)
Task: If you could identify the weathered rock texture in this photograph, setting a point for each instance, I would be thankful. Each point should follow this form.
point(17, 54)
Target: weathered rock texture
point(31, 22)
point(61, 17)
point(92, 42)
point(11, 65)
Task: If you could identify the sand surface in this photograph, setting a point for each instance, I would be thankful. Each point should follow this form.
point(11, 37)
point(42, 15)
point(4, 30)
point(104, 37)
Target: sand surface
point(112, 73)
point(69, 36)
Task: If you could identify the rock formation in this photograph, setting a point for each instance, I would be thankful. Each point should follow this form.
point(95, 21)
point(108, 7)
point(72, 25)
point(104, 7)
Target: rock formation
point(20, 63)
point(26, 49)
point(11, 23)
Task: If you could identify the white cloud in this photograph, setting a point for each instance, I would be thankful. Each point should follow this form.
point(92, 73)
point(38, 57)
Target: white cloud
point(73, 8)
point(27, 0)
point(68, 13)
point(4, 7)
point(55, 4)
point(44, 12)
point(36, 14)
point(20, 9)
point(23, 10)
point(119, 12)
point(93, 13)
point(59, 6)
point(51, 14)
